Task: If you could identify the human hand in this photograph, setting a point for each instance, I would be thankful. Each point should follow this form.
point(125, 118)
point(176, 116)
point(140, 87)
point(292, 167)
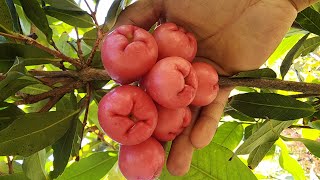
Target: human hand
point(232, 36)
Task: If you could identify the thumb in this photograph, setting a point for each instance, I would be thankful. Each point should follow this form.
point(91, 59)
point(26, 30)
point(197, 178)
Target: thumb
point(142, 13)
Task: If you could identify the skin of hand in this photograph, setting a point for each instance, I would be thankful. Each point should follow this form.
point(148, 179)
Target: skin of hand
point(233, 36)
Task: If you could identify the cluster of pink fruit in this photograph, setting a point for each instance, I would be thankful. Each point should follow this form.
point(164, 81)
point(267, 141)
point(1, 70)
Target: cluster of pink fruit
point(138, 117)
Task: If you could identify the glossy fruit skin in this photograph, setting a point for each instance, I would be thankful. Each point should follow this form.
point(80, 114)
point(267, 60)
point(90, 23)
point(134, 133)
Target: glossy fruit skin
point(128, 53)
point(171, 122)
point(143, 161)
point(172, 82)
point(173, 40)
point(208, 84)
point(127, 115)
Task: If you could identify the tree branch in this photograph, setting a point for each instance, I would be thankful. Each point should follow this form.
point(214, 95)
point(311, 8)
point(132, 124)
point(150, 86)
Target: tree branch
point(35, 43)
point(10, 165)
point(50, 94)
point(307, 88)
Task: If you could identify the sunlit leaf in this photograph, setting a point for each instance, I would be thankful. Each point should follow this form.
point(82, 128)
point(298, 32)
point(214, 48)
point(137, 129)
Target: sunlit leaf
point(46, 128)
point(213, 162)
point(33, 166)
point(308, 46)
point(272, 106)
point(268, 132)
point(286, 44)
point(229, 135)
point(15, 176)
point(257, 155)
point(93, 167)
point(288, 163)
point(35, 89)
point(287, 61)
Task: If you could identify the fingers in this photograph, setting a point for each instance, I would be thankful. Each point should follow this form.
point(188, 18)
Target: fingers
point(180, 156)
point(302, 4)
point(206, 125)
point(142, 13)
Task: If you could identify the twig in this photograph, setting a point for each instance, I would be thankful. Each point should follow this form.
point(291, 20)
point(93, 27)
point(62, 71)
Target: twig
point(10, 165)
point(307, 88)
point(88, 6)
point(96, 7)
point(51, 103)
point(79, 51)
point(88, 98)
point(85, 119)
point(54, 92)
point(33, 42)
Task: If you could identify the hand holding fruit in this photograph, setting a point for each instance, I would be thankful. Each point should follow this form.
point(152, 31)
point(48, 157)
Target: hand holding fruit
point(232, 36)
point(128, 115)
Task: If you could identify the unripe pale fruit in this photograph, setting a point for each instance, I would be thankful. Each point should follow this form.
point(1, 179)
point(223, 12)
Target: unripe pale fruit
point(143, 161)
point(171, 122)
point(175, 41)
point(172, 82)
point(128, 53)
point(127, 115)
point(208, 84)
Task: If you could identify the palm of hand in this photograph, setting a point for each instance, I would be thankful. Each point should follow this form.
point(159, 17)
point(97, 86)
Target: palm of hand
point(234, 35)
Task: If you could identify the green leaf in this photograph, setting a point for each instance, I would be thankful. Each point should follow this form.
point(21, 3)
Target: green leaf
point(259, 73)
point(309, 19)
point(287, 62)
point(113, 13)
point(65, 47)
point(268, 132)
point(257, 155)
point(288, 163)
point(249, 130)
point(15, 176)
point(9, 21)
point(64, 4)
point(93, 167)
point(213, 162)
point(9, 52)
point(34, 166)
point(34, 131)
point(272, 106)
point(286, 44)
point(35, 89)
point(239, 115)
point(312, 146)
point(308, 46)
point(74, 18)
point(229, 135)
point(93, 115)
point(90, 37)
point(36, 14)
point(16, 85)
point(24, 21)
point(8, 113)
point(62, 148)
